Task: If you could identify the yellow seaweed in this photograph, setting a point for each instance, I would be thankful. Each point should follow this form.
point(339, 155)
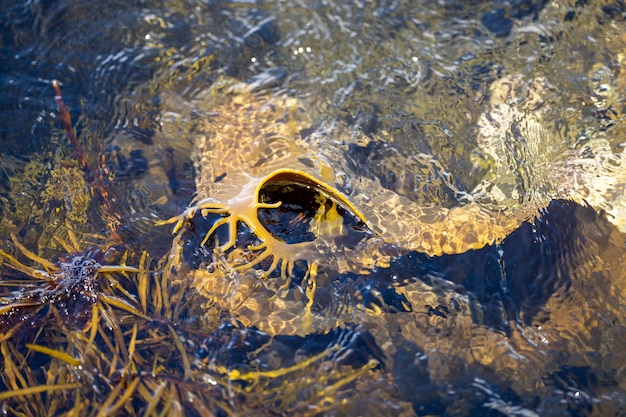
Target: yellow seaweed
point(36, 390)
point(123, 305)
point(244, 208)
point(55, 354)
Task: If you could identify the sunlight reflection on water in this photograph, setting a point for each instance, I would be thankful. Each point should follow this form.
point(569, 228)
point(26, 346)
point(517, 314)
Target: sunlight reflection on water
point(514, 106)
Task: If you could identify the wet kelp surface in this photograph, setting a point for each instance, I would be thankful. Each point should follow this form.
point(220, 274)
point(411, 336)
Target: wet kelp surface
point(441, 231)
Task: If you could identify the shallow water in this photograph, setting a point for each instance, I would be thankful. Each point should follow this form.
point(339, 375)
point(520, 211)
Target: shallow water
point(519, 104)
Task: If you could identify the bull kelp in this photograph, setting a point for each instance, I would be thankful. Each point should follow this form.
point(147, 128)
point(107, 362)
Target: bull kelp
point(327, 208)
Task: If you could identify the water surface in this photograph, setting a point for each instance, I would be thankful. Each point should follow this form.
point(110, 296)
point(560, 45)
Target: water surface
point(519, 103)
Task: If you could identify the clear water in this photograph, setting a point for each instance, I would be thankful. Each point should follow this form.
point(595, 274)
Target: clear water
point(533, 326)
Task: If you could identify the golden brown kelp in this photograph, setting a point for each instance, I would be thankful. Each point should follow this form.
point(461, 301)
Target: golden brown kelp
point(50, 322)
point(82, 338)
